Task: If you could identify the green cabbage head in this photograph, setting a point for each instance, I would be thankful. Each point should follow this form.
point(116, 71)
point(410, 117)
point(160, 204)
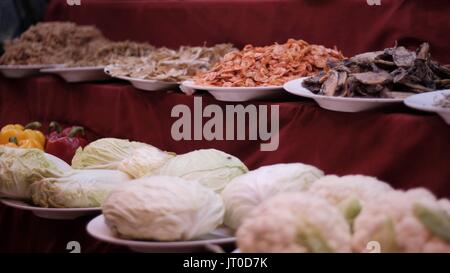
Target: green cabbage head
point(134, 158)
point(212, 168)
point(19, 168)
point(80, 189)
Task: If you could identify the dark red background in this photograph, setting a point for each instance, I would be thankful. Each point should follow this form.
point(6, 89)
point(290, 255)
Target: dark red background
point(351, 25)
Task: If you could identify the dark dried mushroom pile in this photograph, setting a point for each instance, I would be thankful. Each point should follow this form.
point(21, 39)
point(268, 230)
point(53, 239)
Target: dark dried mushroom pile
point(393, 73)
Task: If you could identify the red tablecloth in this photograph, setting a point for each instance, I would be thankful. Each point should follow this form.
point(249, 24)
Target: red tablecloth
point(401, 146)
point(352, 25)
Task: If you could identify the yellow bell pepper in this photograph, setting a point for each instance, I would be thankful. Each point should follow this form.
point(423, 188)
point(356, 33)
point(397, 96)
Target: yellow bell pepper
point(34, 135)
point(6, 135)
point(13, 126)
point(11, 145)
point(25, 144)
point(23, 135)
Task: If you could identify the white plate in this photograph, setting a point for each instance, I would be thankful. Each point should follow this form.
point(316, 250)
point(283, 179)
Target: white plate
point(426, 102)
point(79, 74)
point(235, 93)
point(341, 104)
point(143, 84)
point(21, 71)
point(52, 213)
point(98, 229)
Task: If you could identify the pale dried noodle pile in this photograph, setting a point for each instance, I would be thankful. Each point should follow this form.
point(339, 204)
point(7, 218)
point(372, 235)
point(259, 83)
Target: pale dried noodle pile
point(67, 43)
point(104, 53)
point(268, 66)
point(169, 65)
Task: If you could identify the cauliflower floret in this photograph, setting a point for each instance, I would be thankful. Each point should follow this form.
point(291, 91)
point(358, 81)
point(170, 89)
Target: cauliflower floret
point(294, 222)
point(349, 192)
point(403, 222)
point(247, 191)
point(337, 189)
point(445, 204)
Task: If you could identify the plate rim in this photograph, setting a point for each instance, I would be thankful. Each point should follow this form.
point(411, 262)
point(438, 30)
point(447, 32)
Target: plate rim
point(428, 108)
point(190, 84)
point(140, 80)
point(150, 244)
point(27, 66)
point(73, 69)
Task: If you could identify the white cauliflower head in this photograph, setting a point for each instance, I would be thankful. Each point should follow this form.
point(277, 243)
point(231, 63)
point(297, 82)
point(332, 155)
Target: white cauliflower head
point(294, 222)
point(412, 221)
point(349, 192)
point(445, 205)
point(247, 191)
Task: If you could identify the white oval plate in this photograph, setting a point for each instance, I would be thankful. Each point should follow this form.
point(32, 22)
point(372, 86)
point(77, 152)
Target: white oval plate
point(98, 229)
point(341, 104)
point(79, 74)
point(51, 213)
point(21, 71)
point(143, 84)
point(235, 94)
point(426, 102)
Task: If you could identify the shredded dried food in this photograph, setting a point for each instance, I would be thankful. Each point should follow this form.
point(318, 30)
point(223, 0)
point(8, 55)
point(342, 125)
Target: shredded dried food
point(393, 73)
point(170, 65)
point(268, 66)
point(49, 43)
point(69, 44)
point(103, 53)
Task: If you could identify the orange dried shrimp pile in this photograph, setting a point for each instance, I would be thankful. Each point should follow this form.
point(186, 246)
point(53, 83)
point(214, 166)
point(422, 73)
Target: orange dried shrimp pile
point(268, 66)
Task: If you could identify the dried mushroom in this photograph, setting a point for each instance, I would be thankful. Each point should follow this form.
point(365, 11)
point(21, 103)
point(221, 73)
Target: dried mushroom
point(393, 73)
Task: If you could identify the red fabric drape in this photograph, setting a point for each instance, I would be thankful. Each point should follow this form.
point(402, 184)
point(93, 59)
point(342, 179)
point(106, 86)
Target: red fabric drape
point(404, 147)
point(351, 25)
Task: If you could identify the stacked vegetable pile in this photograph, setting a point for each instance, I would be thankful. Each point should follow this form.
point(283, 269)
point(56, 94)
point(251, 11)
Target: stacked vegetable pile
point(339, 214)
point(59, 142)
point(149, 194)
point(96, 169)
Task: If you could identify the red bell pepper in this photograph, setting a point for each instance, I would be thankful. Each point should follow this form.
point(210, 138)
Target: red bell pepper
point(64, 143)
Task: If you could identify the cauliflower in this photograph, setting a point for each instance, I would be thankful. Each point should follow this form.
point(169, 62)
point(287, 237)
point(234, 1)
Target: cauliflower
point(247, 191)
point(294, 222)
point(445, 205)
point(349, 192)
point(412, 221)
